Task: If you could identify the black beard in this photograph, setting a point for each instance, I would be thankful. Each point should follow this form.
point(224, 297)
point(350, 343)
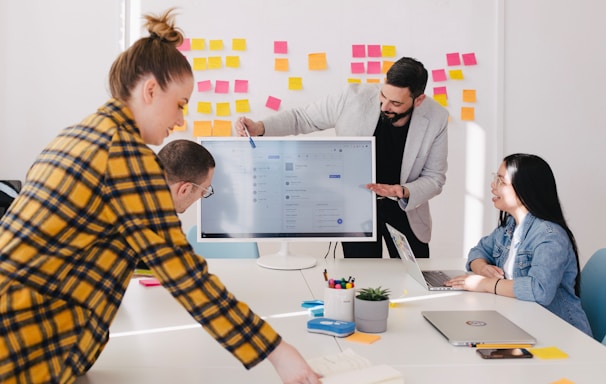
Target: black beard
point(395, 118)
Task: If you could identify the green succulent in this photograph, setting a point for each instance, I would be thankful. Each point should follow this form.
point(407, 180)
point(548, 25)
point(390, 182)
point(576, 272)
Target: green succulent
point(373, 294)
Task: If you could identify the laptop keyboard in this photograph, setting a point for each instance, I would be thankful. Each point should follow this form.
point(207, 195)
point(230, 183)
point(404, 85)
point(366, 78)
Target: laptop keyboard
point(435, 278)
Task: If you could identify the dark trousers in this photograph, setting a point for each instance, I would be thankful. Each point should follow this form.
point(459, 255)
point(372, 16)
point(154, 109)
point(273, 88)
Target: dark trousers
point(388, 211)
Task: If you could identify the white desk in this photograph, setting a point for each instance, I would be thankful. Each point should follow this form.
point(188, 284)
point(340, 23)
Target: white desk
point(158, 354)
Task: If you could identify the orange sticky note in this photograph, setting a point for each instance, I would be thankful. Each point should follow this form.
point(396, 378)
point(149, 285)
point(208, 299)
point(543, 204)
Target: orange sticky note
point(281, 64)
point(222, 128)
point(374, 81)
point(202, 128)
point(200, 63)
point(216, 45)
point(548, 353)
point(563, 381)
point(364, 338)
point(386, 65)
point(223, 109)
point(317, 61)
point(468, 113)
point(469, 95)
point(295, 83)
point(242, 106)
point(238, 44)
point(198, 44)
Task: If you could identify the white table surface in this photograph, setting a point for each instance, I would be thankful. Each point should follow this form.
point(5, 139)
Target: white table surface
point(154, 340)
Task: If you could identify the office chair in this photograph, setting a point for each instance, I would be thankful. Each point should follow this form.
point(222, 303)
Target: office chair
point(593, 292)
point(215, 250)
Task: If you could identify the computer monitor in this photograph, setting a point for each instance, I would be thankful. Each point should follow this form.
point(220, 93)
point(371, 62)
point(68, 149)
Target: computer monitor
point(290, 188)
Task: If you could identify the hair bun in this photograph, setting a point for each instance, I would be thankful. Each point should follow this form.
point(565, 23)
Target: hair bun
point(163, 28)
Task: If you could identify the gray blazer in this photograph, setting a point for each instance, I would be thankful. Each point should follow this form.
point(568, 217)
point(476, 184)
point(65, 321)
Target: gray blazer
point(355, 112)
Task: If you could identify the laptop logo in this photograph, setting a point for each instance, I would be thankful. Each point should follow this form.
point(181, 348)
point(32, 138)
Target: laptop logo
point(476, 323)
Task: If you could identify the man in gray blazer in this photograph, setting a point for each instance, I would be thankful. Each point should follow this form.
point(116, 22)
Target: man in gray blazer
point(411, 147)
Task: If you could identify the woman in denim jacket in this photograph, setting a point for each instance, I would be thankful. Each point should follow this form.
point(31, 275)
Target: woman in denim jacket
point(532, 255)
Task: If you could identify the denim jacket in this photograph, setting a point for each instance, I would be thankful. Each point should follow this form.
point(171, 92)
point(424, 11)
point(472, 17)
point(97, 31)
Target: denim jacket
point(545, 267)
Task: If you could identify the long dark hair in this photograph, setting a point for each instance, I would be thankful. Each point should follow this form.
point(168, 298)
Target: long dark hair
point(534, 184)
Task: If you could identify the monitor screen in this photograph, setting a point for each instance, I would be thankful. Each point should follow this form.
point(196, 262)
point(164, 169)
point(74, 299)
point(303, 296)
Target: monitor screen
point(302, 188)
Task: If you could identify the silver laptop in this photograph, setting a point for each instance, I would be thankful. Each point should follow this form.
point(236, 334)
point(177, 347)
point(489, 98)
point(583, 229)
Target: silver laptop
point(432, 280)
point(472, 328)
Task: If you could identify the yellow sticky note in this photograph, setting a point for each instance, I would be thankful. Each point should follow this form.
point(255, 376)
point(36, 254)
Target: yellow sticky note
point(548, 353)
point(238, 44)
point(200, 63)
point(441, 99)
point(355, 81)
point(388, 50)
point(386, 65)
point(242, 106)
point(364, 338)
point(456, 74)
point(223, 109)
point(215, 62)
point(468, 113)
point(198, 44)
point(204, 107)
point(232, 61)
point(295, 83)
point(316, 61)
point(469, 95)
point(185, 109)
point(281, 64)
point(202, 128)
point(222, 128)
point(216, 45)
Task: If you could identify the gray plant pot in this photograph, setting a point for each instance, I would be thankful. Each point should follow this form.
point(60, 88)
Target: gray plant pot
point(371, 316)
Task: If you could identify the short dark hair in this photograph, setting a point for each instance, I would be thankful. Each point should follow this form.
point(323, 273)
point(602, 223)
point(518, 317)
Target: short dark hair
point(185, 160)
point(408, 73)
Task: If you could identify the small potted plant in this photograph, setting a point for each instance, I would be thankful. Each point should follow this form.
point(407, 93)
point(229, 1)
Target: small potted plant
point(371, 309)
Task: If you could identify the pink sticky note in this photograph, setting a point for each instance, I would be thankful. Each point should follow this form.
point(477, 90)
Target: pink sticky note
point(222, 86)
point(469, 59)
point(280, 47)
point(439, 91)
point(374, 50)
point(358, 50)
point(185, 45)
point(273, 103)
point(453, 59)
point(204, 86)
point(438, 75)
point(151, 282)
point(374, 67)
point(357, 67)
point(241, 86)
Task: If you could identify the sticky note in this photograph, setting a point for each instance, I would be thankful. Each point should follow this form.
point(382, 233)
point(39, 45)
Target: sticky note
point(202, 128)
point(358, 50)
point(388, 50)
point(215, 62)
point(200, 63)
point(563, 381)
point(456, 74)
point(241, 86)
point(280, 47)
point(151, 282)
point(453, 59)
point(364, 338)
point(222, 128)
point(222, 86)
point(216, 45)
point(441, 99)
point(386, 65)
point(281, 64)
point(373, 67)
point(295, 83)
point(185, 45)
point(469, 59)
point(440, 91)
point(354, 81)
point(242, 106)
point(204, 86)
point(468, 113)
point(198, 44)
point(223, 109)
point(469, 95)
point(373, 50)
point(357, 68)
point(204, 107)
point(438, 75)
point(316, 61)
point(238, 44)
point(232, 61)
point(273, 103)
point(374, 81)
point(548, 353)
point(185, 109)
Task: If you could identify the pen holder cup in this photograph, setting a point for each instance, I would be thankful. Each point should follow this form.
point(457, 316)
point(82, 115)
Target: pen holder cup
point(339, 304)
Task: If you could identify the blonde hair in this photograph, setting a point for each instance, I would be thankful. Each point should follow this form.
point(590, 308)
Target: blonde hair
point(156, 54)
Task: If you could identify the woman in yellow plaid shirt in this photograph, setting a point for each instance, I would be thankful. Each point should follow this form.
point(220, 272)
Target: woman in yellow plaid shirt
point(94, 203)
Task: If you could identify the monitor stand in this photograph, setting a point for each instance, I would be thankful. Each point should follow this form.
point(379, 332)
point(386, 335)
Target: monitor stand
point(285, 260)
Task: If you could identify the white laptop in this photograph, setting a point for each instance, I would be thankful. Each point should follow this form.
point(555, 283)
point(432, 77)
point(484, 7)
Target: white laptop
point(432, 280)
point(473, 328)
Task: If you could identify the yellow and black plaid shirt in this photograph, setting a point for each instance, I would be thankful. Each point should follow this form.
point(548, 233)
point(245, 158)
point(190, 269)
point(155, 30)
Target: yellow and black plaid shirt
point(94, 203)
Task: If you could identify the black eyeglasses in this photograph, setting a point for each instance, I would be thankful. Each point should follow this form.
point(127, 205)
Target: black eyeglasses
point(208, 191)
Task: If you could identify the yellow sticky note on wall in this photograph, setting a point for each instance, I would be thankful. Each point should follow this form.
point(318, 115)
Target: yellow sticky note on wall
point(232, 61)
point(441, 99)
point(456, 74)
point(215, 62)
point(198, 44)
point(242, 106)
point(200, 63)
point(216, 45)
point(202, 128)
point(238, 44)
point(354, 81)
point(295, 83)
point(223, 109)
point(222, 128)
point(204, 107)
point(388, 50)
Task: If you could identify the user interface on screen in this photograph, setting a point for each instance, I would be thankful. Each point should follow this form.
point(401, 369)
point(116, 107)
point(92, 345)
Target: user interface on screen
point(290, 187)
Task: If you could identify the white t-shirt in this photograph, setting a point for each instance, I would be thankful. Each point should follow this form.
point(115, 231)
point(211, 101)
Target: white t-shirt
point(513, 248)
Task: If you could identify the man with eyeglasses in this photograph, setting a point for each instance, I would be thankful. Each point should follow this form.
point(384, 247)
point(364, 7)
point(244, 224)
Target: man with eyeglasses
point(411, 148)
